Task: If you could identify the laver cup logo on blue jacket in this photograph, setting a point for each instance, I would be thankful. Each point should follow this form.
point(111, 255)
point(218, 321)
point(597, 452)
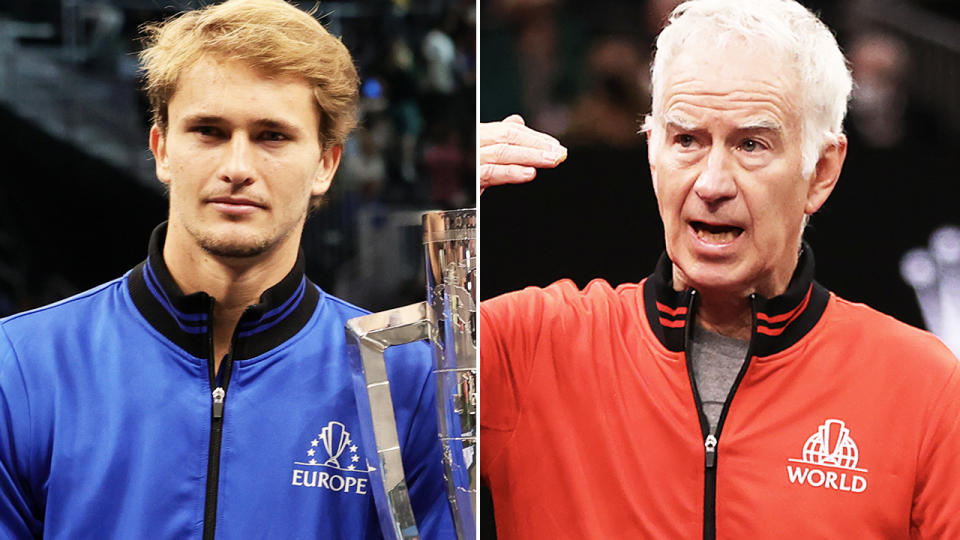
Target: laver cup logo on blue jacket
point(832, 458)
point(331, 462)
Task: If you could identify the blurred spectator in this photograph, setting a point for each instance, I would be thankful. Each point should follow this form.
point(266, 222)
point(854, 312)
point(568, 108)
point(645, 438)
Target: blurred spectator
point(360, 183)
point(440, 54)
point(530, 39)
point(446, 166)
point(879, 109)
point(608, 113)
point(105, 42)
point(402, 84)
point(365, 172)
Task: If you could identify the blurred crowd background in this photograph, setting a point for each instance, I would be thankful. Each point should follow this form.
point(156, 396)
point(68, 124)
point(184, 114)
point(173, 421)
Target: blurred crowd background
point(78, 192)
point(580, 71)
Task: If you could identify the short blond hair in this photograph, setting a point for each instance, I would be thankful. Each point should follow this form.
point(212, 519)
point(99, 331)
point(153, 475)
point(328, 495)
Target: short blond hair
point(270, 36)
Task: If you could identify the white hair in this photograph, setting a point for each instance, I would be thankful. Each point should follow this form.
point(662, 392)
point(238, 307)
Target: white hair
point(787, 27)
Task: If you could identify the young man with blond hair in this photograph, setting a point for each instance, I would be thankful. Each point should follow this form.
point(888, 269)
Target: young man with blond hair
point(207, 392)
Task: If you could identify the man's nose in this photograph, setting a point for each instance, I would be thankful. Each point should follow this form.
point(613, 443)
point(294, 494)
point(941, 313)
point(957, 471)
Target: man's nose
point(237, 164)
point(716, 182)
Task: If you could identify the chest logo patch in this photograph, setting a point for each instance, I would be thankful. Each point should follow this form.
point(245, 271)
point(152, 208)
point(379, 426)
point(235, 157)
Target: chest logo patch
point(331, 461)
point(829, 460)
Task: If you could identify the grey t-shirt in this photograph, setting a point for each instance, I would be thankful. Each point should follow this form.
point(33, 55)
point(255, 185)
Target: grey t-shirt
point(716, 360)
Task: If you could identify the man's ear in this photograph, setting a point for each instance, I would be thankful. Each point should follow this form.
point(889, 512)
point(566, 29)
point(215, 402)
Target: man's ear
point(826, 175)
point(158, 146)
point(329, 161)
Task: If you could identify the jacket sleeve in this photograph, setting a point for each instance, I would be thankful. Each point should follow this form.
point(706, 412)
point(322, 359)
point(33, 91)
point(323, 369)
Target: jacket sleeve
point(510, 331)
point(936, 503)
point(18, 516)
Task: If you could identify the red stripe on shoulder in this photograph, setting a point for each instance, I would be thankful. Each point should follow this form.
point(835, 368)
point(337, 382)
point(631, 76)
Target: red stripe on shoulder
point(792, 314)
point(672, 324)
point(672, 312)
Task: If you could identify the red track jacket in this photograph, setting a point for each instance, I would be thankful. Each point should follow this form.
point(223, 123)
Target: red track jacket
point(843, 423)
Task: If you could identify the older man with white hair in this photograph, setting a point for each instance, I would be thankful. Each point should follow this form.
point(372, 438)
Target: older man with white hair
point(728, 394)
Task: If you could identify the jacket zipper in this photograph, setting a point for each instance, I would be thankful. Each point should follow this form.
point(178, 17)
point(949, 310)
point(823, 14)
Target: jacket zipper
point(711, 441)
point(218, 385)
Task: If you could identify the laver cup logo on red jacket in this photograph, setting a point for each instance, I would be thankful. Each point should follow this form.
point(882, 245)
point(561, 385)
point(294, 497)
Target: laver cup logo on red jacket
point(829, 460)
point(332, 463)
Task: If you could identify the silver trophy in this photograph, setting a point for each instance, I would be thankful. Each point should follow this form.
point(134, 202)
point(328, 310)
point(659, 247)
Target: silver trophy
point(448, 320)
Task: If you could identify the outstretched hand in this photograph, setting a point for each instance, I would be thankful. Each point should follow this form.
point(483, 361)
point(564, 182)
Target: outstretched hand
point(510, 153)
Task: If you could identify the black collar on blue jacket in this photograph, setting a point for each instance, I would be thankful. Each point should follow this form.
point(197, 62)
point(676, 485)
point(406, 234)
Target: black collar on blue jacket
point(778, 322)
point(186, 319)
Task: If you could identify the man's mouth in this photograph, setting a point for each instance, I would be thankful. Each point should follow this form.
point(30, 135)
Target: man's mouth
point(236, 201)
point(715, 234)
point(236, 207)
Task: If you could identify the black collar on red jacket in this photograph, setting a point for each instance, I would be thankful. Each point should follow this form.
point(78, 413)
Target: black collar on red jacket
point(778, 322)
point(186, 319)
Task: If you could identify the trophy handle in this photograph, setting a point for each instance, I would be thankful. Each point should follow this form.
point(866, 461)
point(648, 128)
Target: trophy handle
point(448, 320)
point(373, 334)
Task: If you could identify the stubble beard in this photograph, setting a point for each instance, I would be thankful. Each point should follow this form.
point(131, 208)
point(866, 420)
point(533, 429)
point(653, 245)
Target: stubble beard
point(237, 250)
point(237, 247)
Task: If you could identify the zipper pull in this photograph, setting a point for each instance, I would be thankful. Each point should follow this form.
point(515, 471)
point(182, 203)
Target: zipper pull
point(710, 444)
point(218, 395)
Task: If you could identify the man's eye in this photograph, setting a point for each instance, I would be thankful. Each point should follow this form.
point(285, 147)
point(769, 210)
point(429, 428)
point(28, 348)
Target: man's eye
point(273, 136)
point(685, 140)
point(206, 131)
point(751, 145)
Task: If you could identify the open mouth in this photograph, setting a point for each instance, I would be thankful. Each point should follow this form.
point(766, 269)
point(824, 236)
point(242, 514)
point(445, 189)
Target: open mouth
point(716, 234)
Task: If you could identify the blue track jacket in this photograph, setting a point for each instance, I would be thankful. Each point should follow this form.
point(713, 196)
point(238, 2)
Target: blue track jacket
point(111, 427)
